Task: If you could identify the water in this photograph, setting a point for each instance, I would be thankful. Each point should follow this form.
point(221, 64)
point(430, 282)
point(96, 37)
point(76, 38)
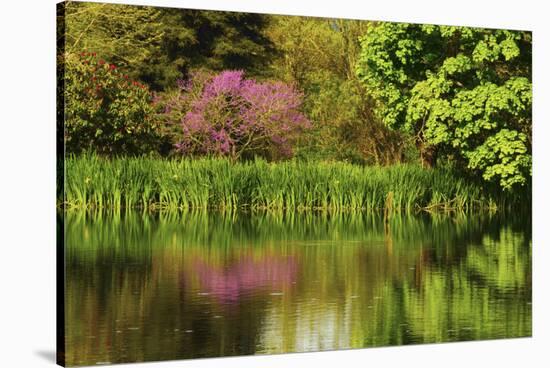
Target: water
point(143, 287)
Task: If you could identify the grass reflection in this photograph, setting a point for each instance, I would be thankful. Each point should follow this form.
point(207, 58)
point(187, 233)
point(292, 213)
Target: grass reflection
point(171, 285)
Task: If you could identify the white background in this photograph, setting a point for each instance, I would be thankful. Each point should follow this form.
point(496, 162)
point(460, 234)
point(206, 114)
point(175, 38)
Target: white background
point(27, 182)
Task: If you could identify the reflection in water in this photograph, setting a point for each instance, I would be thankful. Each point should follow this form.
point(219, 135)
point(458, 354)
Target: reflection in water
point(144, 287)
point(248, 274)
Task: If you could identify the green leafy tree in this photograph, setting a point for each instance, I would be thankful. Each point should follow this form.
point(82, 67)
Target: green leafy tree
point(463, 92)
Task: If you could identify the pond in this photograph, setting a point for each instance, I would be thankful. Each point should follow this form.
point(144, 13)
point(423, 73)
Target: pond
point(156, 286)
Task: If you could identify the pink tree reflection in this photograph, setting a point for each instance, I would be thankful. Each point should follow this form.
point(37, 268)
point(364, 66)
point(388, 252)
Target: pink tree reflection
point(247, 274)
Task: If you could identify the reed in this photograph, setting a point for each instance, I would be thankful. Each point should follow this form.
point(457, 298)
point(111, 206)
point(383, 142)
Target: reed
point(153, 183)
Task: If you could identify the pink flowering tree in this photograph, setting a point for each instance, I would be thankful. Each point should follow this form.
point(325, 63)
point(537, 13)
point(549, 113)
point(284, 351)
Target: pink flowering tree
point(228, 115)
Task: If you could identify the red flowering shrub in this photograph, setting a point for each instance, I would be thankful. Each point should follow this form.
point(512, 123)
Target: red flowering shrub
point(104, 111)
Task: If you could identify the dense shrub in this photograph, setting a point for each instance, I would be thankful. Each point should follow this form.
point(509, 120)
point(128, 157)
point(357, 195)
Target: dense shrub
point(105, 111)
point(228, 115)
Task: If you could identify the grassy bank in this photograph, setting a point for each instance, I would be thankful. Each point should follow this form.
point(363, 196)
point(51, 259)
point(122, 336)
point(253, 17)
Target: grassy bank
point(93, 182)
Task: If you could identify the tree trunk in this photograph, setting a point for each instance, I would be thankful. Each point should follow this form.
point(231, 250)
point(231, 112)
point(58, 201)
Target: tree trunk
point(428, 155)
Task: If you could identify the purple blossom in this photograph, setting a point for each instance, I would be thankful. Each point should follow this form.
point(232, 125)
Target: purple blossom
point(226, 82)
point(229, 115)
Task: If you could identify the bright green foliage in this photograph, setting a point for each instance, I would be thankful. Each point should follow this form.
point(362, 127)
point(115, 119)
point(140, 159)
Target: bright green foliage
point(95, 182)
point(105, 111)
point(461, 91)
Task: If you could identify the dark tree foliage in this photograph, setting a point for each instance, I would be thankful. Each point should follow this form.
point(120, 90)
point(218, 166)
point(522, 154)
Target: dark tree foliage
point(228, 40)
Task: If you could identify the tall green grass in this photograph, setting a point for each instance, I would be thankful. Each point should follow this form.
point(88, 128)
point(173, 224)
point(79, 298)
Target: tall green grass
point(152, 183)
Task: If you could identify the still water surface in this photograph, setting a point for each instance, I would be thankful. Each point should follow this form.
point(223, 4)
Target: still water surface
point(142, 287)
